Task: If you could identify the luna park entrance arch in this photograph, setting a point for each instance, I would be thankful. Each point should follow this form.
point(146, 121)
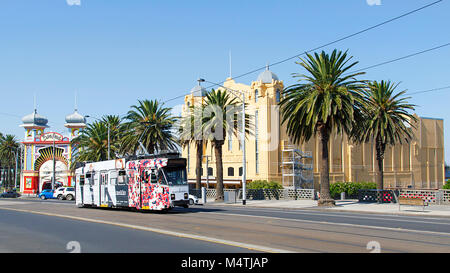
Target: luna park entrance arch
point(47, 163)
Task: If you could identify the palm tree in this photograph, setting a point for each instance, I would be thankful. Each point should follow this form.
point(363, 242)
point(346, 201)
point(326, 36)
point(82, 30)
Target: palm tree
point(216, 122)
point(325, 102)
point(8, 152)
point(191, 133)
point(1, 159)
point(385, 120)
point(92, 143)
point(153, 124)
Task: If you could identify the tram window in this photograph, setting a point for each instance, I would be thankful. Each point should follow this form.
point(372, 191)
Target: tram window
point(121, 179)
point(145, 176)
point(105, 179)
point(161, 178)
point(81, 180)
point(153, 177)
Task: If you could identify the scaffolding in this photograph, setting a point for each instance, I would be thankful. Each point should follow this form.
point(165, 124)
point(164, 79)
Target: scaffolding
point(296, 167)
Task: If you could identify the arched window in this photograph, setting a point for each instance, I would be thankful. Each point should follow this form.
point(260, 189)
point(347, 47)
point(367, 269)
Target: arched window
point(240, 171)
point(277, 95)
point(230, 171)
point(210, 171)
point(256, 95)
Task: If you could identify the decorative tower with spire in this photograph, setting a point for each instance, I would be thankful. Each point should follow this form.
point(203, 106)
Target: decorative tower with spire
point(75, 122)
point(34, 125)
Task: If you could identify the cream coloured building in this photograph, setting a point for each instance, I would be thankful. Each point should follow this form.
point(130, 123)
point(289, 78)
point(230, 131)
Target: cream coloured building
point(270, 155)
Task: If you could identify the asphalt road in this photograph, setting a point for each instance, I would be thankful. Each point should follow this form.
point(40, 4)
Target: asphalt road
point(51, 224)
point(32, 233)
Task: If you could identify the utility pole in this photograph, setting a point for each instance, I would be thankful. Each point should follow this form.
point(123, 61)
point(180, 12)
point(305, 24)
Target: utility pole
point(54, 164)
point(108, 143)
point(15, 173)
point(207, 172)
point(244, 160)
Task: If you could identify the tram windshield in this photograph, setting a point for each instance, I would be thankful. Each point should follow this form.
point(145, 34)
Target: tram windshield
point(176, 175)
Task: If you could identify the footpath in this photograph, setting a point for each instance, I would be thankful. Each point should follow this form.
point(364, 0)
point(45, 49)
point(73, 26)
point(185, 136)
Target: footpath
point(349, 205)
point(344, 206)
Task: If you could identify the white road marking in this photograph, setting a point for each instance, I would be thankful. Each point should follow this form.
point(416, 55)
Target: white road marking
point(333, 223)
point(166, 232)
point(360, 217)
point(11, 203)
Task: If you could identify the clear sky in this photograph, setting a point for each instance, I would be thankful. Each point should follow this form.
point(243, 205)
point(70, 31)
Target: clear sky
point(114, 52)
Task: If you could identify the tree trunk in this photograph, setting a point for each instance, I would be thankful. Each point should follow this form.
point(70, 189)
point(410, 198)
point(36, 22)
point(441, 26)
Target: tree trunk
point(198, 165)
point(325, 197)
point(219, 170)
point(380, 147)
point(8, 179)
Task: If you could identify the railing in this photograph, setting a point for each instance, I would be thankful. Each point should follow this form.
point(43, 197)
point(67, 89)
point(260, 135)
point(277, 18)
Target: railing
point(263, 194)
point(436, 197)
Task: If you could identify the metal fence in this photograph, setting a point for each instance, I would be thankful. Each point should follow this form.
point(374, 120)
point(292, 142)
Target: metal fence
point(435, 197)
point(262, 194)
point(438, 197)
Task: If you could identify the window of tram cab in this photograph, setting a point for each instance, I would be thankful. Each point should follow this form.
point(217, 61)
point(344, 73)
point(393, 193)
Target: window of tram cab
point(145, 176)
point(161, 178)
point(153, 176)
point(122, 177)
point(81, 179)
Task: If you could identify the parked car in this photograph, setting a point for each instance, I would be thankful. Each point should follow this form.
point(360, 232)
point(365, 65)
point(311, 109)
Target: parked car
point(69, 193)
point(58, 193)
point(10, 194)
point(47, 194)
point(193, 200)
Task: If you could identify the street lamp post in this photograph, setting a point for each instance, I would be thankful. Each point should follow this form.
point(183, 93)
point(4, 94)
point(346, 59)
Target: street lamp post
point(244, 163)
point(15, 172)
point(207, 172)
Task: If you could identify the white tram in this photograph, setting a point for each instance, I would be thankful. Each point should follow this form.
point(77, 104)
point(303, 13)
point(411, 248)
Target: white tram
point(149, 183)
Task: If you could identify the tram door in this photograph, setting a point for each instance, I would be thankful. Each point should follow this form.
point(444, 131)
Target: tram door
point(103, 188)
point(87, 189)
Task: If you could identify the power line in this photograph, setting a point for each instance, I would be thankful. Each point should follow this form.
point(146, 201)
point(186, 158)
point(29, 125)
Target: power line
point(325, 45)
point(401, 58)
point(430, 90)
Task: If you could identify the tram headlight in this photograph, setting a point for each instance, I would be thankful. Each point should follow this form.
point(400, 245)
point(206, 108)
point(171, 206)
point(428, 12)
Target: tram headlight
point(172, 196)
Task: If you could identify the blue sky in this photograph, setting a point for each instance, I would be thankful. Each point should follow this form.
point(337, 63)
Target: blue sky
point(114, 52)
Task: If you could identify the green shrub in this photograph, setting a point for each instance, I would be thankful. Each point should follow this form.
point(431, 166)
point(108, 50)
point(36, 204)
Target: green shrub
point(350, 188)
point(447, 185)
point(263, 184)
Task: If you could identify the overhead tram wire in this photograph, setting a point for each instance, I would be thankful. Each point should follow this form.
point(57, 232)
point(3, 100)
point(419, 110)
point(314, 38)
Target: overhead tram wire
point(430, 90)
point(328, 44)
point(325, 45)
point(401, 58)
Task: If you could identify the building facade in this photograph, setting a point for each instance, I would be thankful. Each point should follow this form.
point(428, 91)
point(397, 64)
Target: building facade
point(47, 155)
point(271, 156)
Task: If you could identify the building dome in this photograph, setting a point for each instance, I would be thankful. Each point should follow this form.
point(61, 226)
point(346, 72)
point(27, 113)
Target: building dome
point(75, 119)
point(198, 91)
point(267, 76)
point(34, 119)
